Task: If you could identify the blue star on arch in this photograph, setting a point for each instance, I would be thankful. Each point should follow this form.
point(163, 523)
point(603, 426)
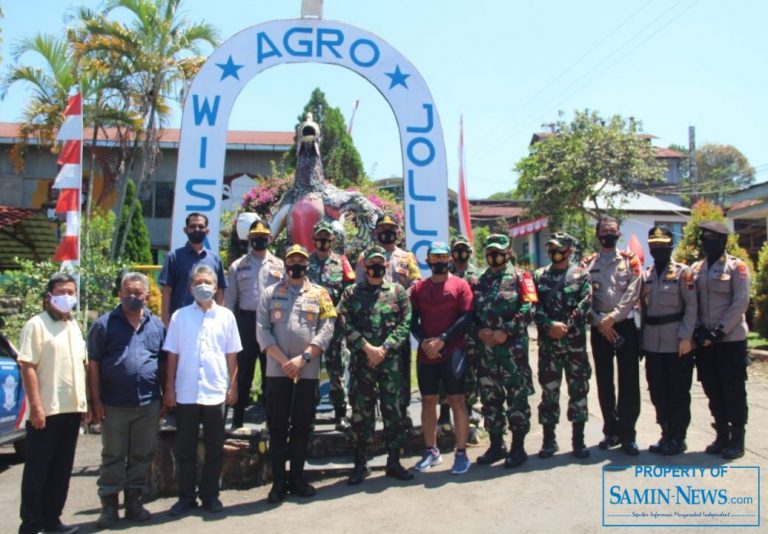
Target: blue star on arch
point(397, 77)
point(229, 69)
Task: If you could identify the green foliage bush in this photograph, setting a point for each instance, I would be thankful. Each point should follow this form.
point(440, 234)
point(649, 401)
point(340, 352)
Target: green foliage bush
point(760, 286)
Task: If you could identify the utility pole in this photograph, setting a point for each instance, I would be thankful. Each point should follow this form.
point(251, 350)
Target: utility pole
point(692, 161)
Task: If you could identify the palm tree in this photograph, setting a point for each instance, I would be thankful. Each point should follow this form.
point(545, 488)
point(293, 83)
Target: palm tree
point(158, 50)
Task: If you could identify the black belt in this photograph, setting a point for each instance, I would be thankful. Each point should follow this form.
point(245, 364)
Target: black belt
point(664, 319)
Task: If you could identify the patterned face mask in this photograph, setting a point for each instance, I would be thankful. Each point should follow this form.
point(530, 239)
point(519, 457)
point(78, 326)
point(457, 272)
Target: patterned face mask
point(496, 259)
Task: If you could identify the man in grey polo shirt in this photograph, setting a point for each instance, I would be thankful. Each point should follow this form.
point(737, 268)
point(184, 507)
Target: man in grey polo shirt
point(295, 325)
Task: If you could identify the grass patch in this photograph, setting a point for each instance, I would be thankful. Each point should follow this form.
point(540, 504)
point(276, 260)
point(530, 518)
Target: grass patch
point(754, 341)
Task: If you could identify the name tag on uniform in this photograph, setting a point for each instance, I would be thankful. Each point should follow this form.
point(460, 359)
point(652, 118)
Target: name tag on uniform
point(310, 307)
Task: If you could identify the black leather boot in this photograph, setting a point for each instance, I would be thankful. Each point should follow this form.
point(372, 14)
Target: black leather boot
point(394, 468)
point(108, 517)
point(722, 438)
point(735, 448)
point(580, 449)
point(361, 470)
point(663, 444)
point(134, 511)
point(549, 445)
point(495, 452)
point(517, 454)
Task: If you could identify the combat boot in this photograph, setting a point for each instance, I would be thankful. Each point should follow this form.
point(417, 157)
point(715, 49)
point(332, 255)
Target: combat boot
point(108, 517)
point(394, 468)
point(663, 445)
point(735, 448)
point(549, 446)
point(721, 439)
point(495, 452)
point(134, 511)
point(517, 455)
point(340, 418)
point(361, 470)
point(580, 449)
point(676, 443)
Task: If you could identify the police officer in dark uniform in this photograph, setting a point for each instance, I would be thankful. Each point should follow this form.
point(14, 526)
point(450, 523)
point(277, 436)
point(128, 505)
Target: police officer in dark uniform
point(668, 299)
point(722, 286)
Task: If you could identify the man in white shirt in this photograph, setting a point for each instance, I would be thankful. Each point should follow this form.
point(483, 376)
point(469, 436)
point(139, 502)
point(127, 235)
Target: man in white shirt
point(202, 345)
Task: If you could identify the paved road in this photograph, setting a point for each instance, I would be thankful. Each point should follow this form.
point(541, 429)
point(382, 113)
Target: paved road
point(560, 493)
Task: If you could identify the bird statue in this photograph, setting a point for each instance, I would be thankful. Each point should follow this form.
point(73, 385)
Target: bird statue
point(311, 198)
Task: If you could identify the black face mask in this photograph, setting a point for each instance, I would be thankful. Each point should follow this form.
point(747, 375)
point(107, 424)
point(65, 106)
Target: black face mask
point(714, 247)
point(460, 255)
point(439, 267)
point(321, 243)
point(296, 270)
point(196, 236)
point(260, 243)
point(661, 255)
point(496, 259)
point(557, 255)
point(376, 270)
point(608, 240)
point(387, 237)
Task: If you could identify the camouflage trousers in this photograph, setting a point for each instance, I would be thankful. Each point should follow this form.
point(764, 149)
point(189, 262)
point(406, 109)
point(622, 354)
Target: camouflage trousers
point(335, 357)
point(567, 355)
point(366, 386)
point(504, 375)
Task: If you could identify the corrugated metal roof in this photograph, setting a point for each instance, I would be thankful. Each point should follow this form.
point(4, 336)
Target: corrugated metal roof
point(25, 233)
point(637, 202)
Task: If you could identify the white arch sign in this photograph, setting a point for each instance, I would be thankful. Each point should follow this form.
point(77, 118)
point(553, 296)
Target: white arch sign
point(212, 94)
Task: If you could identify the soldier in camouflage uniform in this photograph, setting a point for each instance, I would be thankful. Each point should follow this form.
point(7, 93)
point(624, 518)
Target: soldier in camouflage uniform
point(561, 317)
point(463, 266)
point(334, 273)
point(503, 298)
point(375, 317)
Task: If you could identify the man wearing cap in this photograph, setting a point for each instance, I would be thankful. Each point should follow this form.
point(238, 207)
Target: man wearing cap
point(561, 317)
point(722, 286)
point(375, 317)
point(248, 276)
point(668, 301)
point(463, 266)
point(502, 303)
point(295, 325)
point(332, 271)
point(616, 283)
point(442, 311)
point(402, 268)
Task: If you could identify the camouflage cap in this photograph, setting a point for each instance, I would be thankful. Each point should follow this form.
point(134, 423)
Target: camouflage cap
point(296, 249)
point(660, 235)
point(715, 227)
point(561, 240)
point(259, 228)
point(497, 241)
point(374, 251)
point(438, 247)
point(460, 240)
point(323, 226)
point(386, 218)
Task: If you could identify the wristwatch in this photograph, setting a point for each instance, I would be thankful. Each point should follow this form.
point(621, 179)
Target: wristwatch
point(306, 356)
point(444, 337)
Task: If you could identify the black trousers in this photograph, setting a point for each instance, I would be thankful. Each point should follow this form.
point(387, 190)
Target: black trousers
point(246, 359)
point(189, 417)
point(722, 371)
point(289, 430)
point(45, 482)
point(669, 383)
point(619, 417)
point(405, 370)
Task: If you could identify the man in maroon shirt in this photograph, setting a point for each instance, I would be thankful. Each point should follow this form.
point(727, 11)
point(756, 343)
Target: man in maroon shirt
point(442, 311)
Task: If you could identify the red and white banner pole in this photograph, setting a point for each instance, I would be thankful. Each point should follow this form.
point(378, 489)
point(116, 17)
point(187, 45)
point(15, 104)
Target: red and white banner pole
point(465, 224)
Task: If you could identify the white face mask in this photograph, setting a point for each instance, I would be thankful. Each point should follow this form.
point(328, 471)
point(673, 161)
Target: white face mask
point(203, 292)
point(63, 303)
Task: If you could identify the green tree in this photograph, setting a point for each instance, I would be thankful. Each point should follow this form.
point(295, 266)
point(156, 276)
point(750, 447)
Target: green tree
point(584, 160)
point(761, 292)
point(721, 169)
point(341, 161)
point(158, 51)
point(688, 249)
point(138, 248)
point(504, 195)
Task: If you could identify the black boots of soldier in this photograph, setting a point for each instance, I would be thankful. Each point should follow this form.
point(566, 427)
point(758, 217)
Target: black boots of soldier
point(495, 452)
point(360, 471)
point(671, 443)
point(108, 517)
point(580, 449)
point(134, 511)
point(340, 418)
point(735, 447)
point(394, 468)
point(549, 445)
point(721, 439)
point(517, 454)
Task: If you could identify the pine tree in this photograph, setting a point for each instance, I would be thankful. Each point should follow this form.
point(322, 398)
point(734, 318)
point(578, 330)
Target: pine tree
point(137, 244)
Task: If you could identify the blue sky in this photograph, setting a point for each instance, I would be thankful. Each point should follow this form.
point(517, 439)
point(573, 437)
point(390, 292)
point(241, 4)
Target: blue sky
point(508, 67)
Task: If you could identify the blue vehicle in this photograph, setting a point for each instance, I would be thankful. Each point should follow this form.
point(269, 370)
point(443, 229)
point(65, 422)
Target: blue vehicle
point(13, 401)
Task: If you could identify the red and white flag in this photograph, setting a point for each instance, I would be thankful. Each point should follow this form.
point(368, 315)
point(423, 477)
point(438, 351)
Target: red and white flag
point(69, 182)
point(465, 224)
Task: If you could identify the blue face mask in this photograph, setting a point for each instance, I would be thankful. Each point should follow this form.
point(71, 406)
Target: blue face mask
point(203, 292)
